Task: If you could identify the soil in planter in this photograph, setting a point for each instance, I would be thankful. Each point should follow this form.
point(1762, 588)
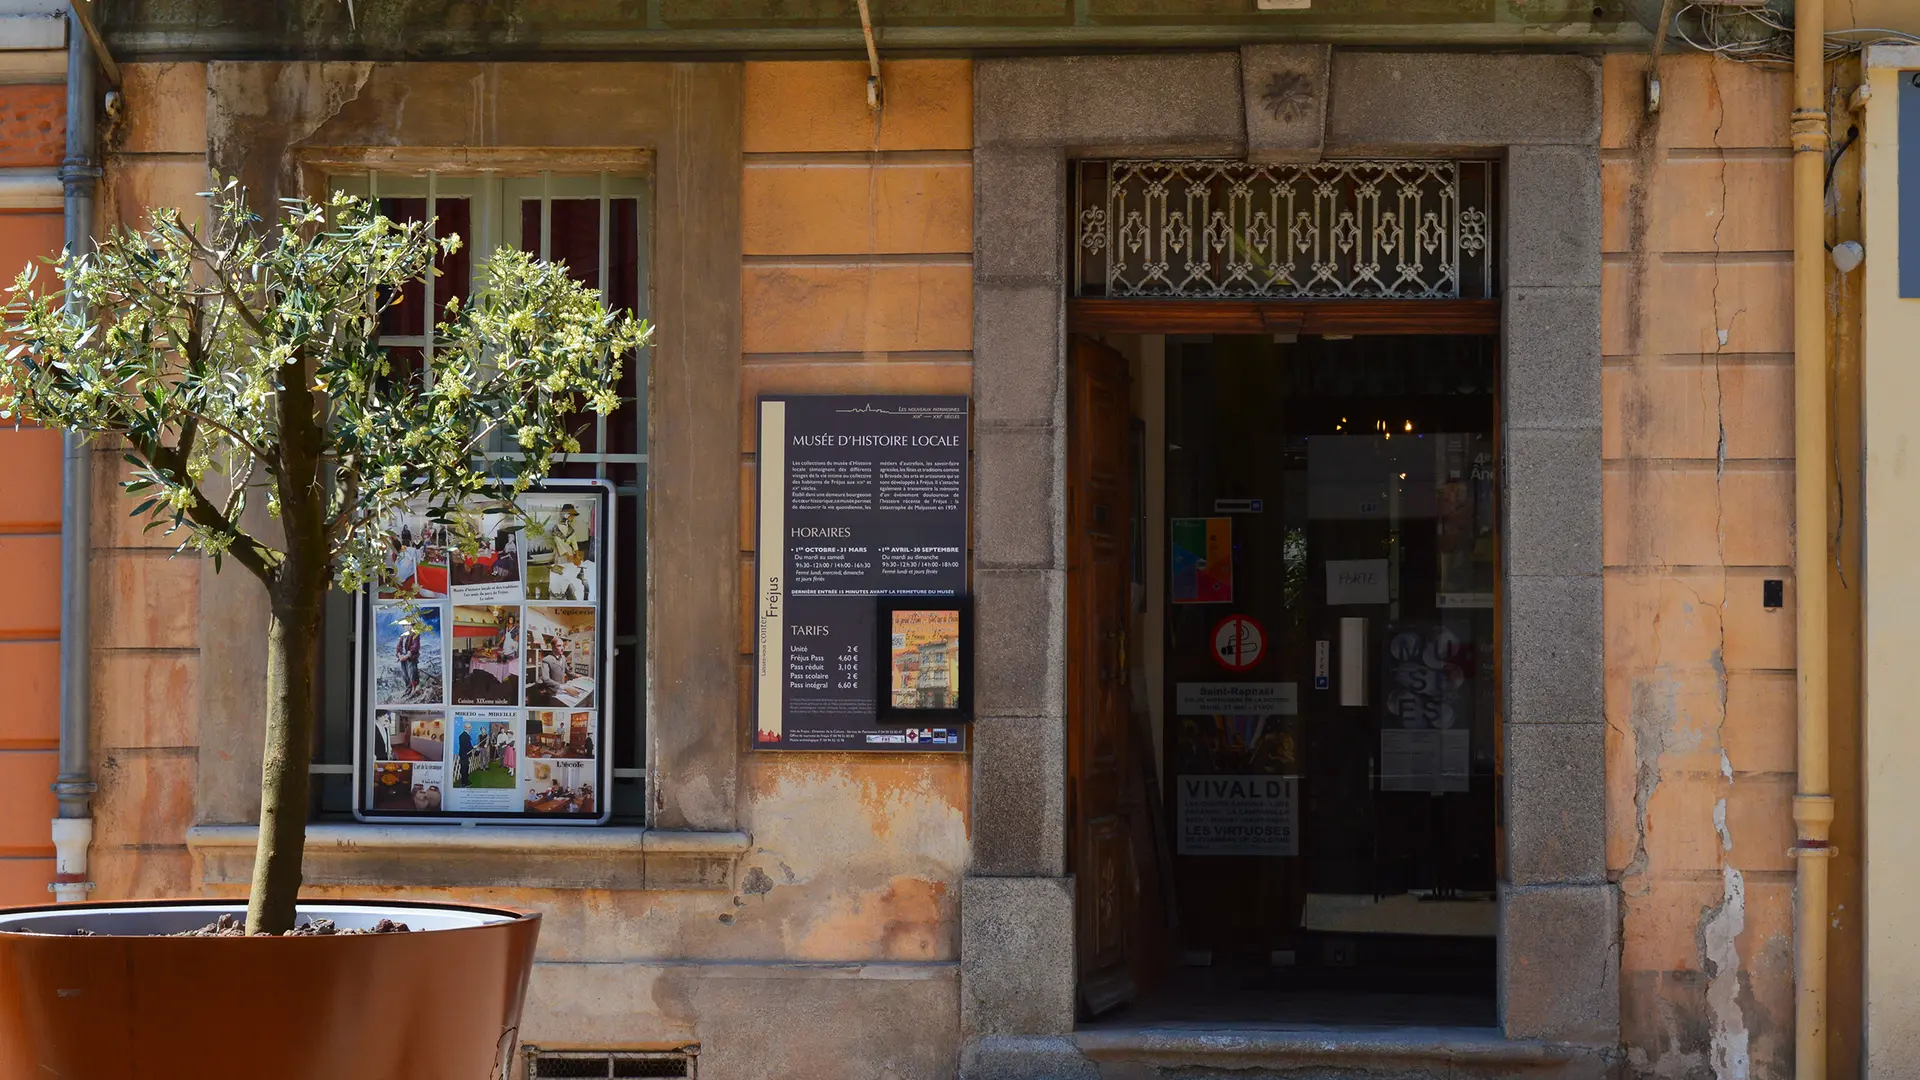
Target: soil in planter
point(232, 926)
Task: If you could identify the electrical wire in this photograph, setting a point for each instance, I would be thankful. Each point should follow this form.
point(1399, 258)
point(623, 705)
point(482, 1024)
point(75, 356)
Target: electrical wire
point(1833, 159)
point(1725, 29)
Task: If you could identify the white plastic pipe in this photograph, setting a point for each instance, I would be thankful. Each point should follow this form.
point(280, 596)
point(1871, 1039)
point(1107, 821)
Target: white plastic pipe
point(71, 837)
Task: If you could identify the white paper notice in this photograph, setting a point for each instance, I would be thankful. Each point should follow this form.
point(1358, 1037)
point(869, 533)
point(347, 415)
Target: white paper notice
point(1353, 661)
point(1239, 815)
point(1423, 760)
point(1237, 699)
point(1356, 581)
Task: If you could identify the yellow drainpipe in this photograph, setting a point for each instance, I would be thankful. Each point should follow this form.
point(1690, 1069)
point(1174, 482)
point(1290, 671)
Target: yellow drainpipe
point(1812, 802)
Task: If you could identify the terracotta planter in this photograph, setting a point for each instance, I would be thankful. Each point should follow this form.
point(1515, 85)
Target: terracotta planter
point(441, 1002)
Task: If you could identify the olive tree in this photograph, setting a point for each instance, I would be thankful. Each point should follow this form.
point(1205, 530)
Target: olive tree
point(238, 363)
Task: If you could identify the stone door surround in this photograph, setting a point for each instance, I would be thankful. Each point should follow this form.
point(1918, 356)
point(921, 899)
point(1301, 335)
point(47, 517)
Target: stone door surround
point(1540, 115)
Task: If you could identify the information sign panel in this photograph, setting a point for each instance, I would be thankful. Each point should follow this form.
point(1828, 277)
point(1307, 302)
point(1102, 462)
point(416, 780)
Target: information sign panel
point(861, 497)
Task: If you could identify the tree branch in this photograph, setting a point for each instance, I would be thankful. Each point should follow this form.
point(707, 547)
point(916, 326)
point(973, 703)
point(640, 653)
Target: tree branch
point(245, 443)
point(247, 551)
point(237, 497)
point(349, 497)
point(189, 431)
point(217, 263)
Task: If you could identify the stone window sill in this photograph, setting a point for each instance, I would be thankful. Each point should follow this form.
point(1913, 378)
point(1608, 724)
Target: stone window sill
point(439, 856)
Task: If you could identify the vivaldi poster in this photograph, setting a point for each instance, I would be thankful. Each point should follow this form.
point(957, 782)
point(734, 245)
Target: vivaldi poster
point(861, 497)
point(484, 675)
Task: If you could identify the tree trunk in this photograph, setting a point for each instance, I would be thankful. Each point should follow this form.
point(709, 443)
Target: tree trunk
point(293, 658)
point(293, 653)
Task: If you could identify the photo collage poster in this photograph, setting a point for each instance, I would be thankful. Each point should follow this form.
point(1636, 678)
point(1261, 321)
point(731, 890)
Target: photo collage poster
point(484, 673)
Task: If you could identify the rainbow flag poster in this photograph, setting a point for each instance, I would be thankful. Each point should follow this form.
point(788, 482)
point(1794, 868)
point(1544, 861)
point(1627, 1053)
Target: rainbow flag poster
point(1203, 560)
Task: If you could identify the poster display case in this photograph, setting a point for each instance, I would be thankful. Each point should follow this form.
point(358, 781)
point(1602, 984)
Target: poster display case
point(484, 685)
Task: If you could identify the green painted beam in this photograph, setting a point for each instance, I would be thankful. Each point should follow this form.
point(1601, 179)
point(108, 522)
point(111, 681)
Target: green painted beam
point(586, 29)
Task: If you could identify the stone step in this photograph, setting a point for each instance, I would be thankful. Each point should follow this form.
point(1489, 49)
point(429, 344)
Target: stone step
point(1256, 1052)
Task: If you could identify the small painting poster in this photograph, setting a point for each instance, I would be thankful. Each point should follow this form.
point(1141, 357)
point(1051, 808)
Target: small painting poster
point(559, 656)
point(409, 735)
point(486, 760)
point(1202, 560)
point(560, 733)
point(491, 572)
point(561, 542)
point(409, 661)
point(417, 559)
point(408, 786)
point(558, 787)
point(924, 659)
point(486, 655)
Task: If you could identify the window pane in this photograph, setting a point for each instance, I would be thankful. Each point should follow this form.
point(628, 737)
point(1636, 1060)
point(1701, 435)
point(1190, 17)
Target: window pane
point(485, 210)
point(576, 241)
point(575, 470)
point(332, 793)
point(585, 426)
point(630, 714)
point(626, 586)
point(623, 427)
point(406, 318)
point(627, 661)
point(456, 270)
point(626, 477)
point(576, 238)
point(405, 364)
point(623, 257)
point(631, 366)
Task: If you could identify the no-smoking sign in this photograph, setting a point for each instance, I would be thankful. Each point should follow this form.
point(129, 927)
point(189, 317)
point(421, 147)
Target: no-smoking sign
point(1239, 642)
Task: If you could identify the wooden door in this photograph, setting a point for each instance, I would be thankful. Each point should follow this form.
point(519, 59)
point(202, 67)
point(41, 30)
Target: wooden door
point(1102, 753)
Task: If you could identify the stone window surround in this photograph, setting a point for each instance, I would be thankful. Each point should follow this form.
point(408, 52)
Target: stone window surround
point(280, 127)
point(1558, 967)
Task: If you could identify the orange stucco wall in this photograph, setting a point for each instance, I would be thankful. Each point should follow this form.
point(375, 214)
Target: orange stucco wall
point(32, 135)
point(857, 238)
point(1698, 487)
point(146, 601)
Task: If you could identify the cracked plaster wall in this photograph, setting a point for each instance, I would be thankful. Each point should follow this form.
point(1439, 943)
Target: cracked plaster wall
point(1697, 493)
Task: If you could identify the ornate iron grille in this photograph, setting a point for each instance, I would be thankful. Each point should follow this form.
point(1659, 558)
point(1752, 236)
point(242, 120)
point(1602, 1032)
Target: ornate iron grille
point(1208, 229)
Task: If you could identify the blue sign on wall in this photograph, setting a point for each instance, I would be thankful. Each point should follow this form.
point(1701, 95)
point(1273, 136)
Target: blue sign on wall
point(1910, 184)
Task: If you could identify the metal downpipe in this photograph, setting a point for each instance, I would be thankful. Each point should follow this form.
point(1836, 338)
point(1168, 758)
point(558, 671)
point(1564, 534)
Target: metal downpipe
point(74, 787)
point(1812, 800)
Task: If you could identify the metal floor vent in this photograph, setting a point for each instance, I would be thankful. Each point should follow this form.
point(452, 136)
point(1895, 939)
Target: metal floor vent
point(606, 1064)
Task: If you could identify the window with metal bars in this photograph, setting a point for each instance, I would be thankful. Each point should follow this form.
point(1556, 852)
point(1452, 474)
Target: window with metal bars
point(598, 224)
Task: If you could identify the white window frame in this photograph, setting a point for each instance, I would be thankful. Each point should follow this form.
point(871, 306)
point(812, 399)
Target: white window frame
point(495, 199)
